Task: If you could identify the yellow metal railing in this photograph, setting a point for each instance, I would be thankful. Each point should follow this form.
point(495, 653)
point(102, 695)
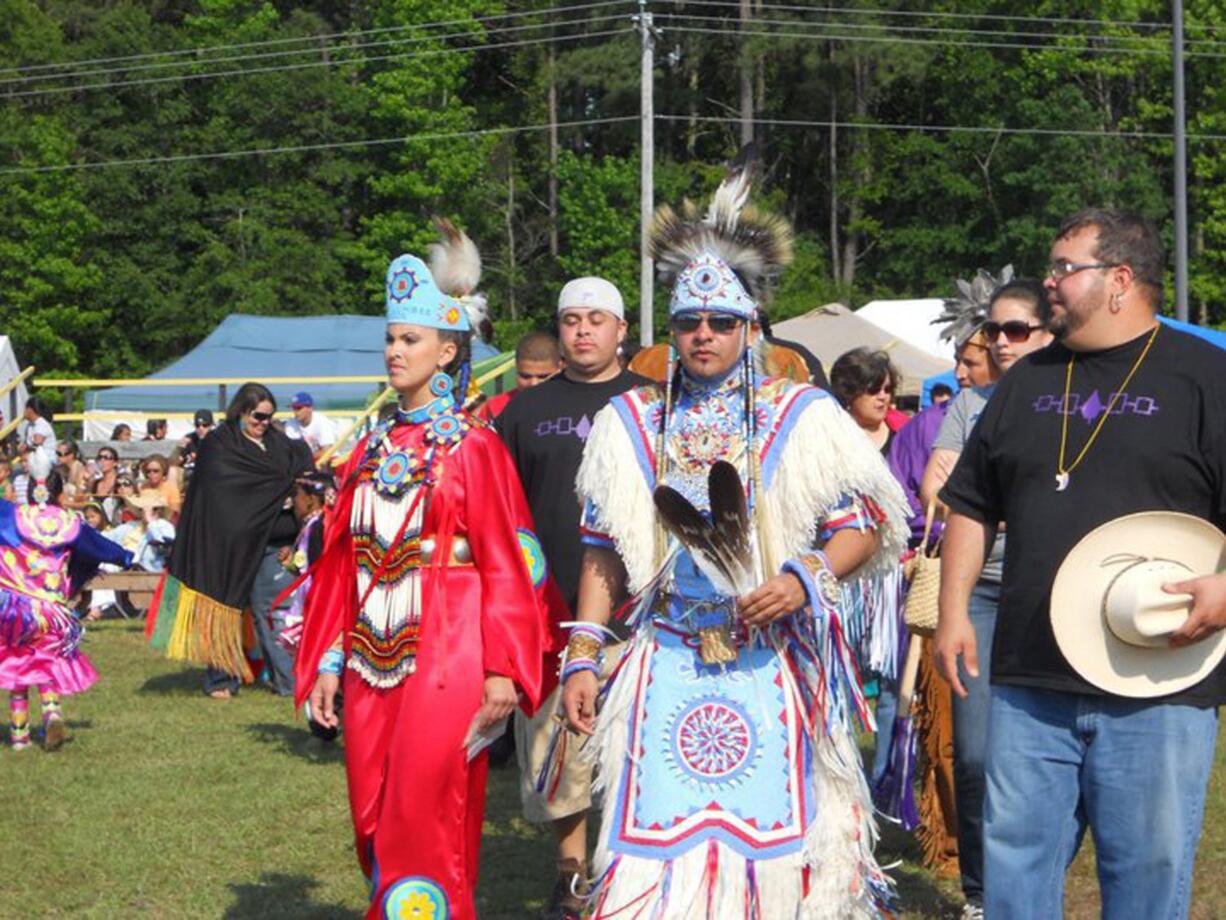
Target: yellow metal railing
point(12, 384)
point(199, 381)
point(9, 428)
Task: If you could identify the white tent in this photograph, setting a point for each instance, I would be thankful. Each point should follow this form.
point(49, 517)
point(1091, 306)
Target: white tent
point(11, 407)
point(831, 330)
point(911, 321)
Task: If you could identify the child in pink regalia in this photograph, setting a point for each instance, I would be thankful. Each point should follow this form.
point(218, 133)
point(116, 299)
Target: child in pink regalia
point(46, 553)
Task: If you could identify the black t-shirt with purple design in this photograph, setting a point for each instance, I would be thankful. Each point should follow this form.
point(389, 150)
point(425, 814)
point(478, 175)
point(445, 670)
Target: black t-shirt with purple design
point(1163, 448)
point(545, 428)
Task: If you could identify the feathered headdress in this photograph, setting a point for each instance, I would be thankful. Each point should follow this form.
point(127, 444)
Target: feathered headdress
point(726, 259)
point(968, 311)
point(38, 468)
point(455, 264)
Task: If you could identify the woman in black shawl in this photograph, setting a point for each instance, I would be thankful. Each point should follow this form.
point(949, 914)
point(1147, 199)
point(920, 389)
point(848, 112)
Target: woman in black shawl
point(234, 522)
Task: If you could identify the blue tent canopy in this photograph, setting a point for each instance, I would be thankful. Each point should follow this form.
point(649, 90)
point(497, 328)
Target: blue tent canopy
point(1216, 336)
point(257, 347)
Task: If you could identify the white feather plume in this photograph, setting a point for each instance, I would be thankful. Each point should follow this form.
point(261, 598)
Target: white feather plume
point(455, 261)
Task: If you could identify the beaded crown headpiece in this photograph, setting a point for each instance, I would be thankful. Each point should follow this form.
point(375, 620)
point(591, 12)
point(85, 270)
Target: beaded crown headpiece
point(414, 297)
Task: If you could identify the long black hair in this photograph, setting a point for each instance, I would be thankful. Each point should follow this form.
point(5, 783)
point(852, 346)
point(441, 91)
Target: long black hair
point(249, 396)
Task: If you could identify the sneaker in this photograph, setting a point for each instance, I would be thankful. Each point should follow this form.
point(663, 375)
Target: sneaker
point(972, 912)
point(53, 731)
point(566, 900)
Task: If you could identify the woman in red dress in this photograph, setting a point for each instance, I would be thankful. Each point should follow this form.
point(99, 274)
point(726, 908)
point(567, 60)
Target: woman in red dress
point(427, 607)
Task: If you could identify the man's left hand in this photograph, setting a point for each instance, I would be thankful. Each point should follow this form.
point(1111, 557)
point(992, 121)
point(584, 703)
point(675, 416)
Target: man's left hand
point(1208, 608)
point(774, 598)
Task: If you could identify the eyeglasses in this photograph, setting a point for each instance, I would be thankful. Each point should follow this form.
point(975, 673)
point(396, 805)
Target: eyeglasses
point(110, 457)
point(1015, 330)
point(261, 416)
point(720, 325)
point(1062, 268)
point(204, 424)
point(63, 453)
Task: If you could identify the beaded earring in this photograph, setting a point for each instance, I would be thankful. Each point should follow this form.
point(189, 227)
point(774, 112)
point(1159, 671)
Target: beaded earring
point(441, 383)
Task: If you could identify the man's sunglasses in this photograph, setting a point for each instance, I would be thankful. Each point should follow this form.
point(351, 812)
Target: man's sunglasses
point(262, 416)
point(720, 325)
point(1015, 330)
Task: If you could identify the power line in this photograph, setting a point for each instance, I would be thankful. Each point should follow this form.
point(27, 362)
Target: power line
point(208, 49)
point(246, 71)
point(313, 49)
point(943, 129)
point(308, 148)
point(616, 119)
point(933, 14)
point(934, 30)
point(734, 31)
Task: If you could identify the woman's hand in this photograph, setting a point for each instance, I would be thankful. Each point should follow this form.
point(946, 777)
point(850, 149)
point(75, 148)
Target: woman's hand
point(579, 701)
point(498, 700)
point(774, 598)
point(323, 700)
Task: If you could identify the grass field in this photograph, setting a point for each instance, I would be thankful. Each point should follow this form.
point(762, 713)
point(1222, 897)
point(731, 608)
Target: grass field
point(164, 804)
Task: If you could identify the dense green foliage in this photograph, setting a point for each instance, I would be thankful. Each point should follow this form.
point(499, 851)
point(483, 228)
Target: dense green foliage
point(115, 269)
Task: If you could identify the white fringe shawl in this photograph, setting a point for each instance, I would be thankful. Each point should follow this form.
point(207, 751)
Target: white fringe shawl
point(826, 458)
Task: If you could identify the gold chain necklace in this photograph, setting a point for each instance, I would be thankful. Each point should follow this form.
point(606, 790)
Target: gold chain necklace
point(1062, 471)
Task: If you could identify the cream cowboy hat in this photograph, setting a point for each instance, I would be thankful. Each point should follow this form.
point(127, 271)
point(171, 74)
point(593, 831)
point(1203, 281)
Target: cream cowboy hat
point(147, 500)
point(1112, 619)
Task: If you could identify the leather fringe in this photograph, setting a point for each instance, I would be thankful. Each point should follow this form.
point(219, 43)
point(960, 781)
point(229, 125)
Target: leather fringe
point(938, 830)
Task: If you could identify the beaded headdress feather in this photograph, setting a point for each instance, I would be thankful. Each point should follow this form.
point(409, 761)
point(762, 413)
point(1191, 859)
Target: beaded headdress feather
point(455, 263)
point(725, 259)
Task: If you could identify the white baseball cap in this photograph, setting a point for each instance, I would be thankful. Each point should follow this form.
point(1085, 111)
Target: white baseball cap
point(592, 294)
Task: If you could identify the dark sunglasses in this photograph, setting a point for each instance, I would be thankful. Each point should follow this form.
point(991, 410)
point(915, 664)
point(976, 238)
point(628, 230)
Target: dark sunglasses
point(1015, 330)
point(102, 457)
point(720, 325)
point(63, 453)
point(262, 416)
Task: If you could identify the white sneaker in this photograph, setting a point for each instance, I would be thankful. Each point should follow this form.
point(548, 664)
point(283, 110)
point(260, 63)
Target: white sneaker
point(972, 912)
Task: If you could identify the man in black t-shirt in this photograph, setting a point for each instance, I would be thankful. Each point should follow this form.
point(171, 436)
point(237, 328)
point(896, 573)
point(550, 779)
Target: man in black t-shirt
point(1121, 415)
point(545, 429)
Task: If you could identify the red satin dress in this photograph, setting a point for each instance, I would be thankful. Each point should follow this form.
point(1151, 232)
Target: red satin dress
point(413, 681)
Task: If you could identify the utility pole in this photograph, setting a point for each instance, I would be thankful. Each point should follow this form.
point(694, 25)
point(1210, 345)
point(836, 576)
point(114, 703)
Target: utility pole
point(647, 180)
point(747, 74)
point(1181, 167)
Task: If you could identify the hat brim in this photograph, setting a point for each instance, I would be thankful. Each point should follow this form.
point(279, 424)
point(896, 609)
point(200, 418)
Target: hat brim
point(1080, 626)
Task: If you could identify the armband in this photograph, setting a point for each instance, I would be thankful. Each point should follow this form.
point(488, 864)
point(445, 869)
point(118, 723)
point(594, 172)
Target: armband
point(333, 662)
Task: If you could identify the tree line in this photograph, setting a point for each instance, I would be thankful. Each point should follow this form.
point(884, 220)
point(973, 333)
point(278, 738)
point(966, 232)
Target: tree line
point(270, 156)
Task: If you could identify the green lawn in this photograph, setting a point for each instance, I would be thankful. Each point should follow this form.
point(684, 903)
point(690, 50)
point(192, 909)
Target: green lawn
point(166, 804)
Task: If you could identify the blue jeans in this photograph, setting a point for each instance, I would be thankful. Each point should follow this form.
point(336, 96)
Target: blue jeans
point(1133, 771)
point(971, 741)
point(887, 709)
point(270, 580)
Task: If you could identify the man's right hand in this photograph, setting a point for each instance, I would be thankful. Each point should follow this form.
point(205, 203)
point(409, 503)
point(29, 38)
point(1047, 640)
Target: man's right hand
point(955, 637)
point(579, 702)
point(323, 700)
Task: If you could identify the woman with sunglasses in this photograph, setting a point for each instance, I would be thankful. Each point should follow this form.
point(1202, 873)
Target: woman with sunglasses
point(1018, 317)
point(106, 473)
point(68, 464)
point(157, 479)
point(427, 604)
point(233, 524)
